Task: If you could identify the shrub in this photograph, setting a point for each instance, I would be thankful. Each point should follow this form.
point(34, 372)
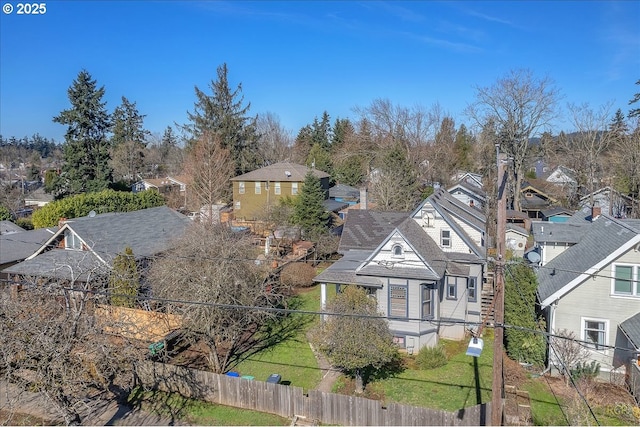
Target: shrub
point(586, 371)
point(298, 275)
point(431, 357)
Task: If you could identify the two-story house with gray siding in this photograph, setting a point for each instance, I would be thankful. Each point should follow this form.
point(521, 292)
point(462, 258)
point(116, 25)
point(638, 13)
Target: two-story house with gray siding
point(592, 288)
point(425, 268)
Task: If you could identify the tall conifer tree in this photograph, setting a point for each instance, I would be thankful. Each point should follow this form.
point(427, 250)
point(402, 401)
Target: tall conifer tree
point(86, 149)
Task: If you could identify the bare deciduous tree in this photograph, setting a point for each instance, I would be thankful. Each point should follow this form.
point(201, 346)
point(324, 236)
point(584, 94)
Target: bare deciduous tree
point(585, 148)
point(627, 161)
point(567, 352)
point(51, 344)
point(211, 267)
point(521, 106)
point(274, 141)
point(209, 167)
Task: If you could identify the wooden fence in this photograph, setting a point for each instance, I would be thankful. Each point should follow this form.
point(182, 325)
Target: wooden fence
point(288, 401)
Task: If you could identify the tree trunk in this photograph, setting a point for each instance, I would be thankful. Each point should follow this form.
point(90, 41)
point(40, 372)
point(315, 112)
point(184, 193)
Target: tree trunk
point(359, 382)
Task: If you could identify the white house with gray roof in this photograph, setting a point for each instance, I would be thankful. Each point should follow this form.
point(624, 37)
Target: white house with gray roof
point(425, 268)
point(592, 286)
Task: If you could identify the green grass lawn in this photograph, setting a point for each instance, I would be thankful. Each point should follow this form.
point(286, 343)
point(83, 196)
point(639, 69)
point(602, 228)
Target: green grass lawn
point(292, 358)
point(195, 412)
point(458, 384)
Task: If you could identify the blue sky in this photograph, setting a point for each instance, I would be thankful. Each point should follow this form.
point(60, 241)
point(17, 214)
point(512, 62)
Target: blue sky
point(298, 59)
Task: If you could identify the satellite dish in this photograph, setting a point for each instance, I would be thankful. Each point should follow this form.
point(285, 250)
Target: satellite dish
point(533, 257)
point(92, 214)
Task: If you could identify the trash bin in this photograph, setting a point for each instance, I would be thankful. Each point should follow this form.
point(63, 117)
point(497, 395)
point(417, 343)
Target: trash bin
point(248, 377)
point(274, 379)
point(233, 374)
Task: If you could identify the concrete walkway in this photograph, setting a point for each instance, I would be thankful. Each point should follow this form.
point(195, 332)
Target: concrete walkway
point(329, 373)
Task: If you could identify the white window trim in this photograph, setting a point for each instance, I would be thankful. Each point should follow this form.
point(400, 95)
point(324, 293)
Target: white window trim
point(276, 188)
point(294, 188)
point(241, 187)
point(442, 238)
point(70, 241)
point(258, 187)
point(393, 251)
point(583, 333)
point(635, 278)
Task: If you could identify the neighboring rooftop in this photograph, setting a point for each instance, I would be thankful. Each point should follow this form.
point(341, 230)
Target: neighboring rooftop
point(283, 171)
point(366, 229)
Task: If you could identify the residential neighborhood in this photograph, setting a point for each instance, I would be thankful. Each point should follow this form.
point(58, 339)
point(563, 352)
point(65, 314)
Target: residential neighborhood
point(175, 252)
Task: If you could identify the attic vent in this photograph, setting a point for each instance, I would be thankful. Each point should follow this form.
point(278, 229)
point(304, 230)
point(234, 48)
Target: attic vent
point(288, 174)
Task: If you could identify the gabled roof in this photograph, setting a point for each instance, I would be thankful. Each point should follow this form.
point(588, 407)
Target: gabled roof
point(469, 189)
point(517, 229)
point(18, 246)
point(365, 229)
point(631, 328)
point(282, 172)
point(334, 206)
point(604, 190)
point(449, 208)
point(147, 232)
point(344, 191)
point(603, 241)
point(557, 210)
point(561, 170)
point(433, 259)
point(343, 271)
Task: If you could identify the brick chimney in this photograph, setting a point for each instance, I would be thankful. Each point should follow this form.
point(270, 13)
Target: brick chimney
point(363, 197)
point(595, 211)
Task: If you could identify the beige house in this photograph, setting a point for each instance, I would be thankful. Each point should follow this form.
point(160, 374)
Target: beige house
point(255, 192)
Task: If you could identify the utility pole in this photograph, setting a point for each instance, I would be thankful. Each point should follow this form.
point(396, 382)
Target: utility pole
point(501, 219)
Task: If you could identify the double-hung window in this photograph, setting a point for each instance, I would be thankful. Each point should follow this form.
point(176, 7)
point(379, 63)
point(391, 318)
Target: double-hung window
point(445, 238)
point(276, 188)
point(397, 301)
point(452, 287)
point(258, 187)
point(594, 331)
point(625, 280)
point(472, 289)
point(241, 187)
point(427, 301)
point(294, 188)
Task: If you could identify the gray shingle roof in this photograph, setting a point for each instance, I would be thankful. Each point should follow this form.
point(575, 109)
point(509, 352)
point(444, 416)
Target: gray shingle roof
point(450, 207)
point(146, 231)
point(58, 264)
point(557, 232)
point(7, 227)
point(631, 328)
point(343, 271)
point(470, 189)
point(283, 172)
point(424, 246)
point(344, 191)
point(366, 229)
point(600, 239)
point(18, 246)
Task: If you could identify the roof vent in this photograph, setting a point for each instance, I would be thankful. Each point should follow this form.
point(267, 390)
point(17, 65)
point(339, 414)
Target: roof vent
point(288, 174)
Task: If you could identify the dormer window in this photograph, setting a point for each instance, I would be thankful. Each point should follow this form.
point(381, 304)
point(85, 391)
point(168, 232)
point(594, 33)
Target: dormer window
point(397, 251)
point(71, 241)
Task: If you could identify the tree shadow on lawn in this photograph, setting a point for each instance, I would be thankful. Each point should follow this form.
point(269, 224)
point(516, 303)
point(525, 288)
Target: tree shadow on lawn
point(281, 328)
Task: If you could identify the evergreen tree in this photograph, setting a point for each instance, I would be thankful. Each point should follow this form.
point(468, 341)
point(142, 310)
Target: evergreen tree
point(168, 143)
point(124, 281)
point(618, 126)
point(128, 141)
point(86, 149)
point(634, 112)
point(321, 132)
point(128, 124)
point(224, 114)
point(319, 159)
point(522, 343)
point(463, 149)
point(309, 212)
